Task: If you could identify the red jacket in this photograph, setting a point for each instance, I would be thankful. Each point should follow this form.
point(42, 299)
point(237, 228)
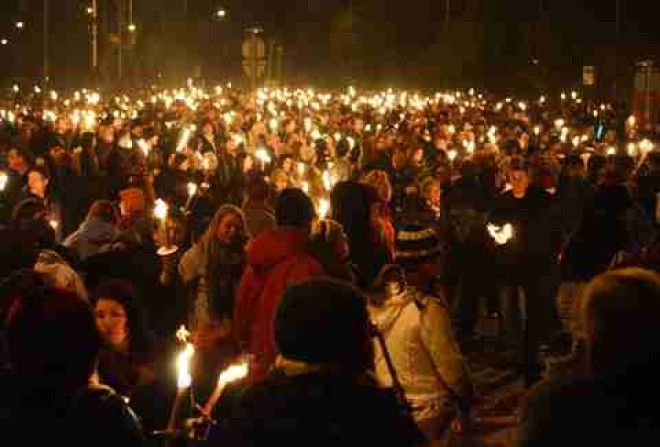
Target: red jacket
point(276, 259)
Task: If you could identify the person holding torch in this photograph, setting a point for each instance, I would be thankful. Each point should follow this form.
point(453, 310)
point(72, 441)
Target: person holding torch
point(526, 225)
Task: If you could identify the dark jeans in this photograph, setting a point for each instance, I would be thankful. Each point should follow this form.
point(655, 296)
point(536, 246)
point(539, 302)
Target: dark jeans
point(471, 279)
point(530, 316)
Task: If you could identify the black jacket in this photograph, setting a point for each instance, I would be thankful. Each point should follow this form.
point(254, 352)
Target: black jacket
point(319, 409)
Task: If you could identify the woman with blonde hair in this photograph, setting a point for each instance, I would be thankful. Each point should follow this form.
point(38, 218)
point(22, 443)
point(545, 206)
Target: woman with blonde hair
point(211, 270)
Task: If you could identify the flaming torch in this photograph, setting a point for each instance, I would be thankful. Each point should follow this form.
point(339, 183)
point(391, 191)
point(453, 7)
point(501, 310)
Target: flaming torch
point(4, 178)
point(184, 380)
point(500, 234)
point(229, 375)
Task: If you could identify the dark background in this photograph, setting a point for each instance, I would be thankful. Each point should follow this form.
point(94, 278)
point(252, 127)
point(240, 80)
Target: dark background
point(526, 45)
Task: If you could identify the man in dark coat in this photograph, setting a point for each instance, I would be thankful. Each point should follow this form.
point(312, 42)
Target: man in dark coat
point(527, 261)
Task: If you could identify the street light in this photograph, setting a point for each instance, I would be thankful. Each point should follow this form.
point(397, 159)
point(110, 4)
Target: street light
point(90, 10)
point(20, 25)
point(132, 27)
point(221, 13)
point(4, 42)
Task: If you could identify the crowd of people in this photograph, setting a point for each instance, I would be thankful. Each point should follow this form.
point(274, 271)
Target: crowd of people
point(349, 245)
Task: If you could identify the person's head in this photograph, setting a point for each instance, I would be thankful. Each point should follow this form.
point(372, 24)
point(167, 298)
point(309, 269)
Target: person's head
point(52, 339)
point(417, 156)
point(38, 179)
point(343, 148)
point(228, 225)
point(324, 322)
point(247, 163)
point(574, 166)
point(431, 190)
point(103, 210)
point(619, 315)
point(207, 128)
point(132, 202)
point(518, 175)
point(331, 233)
point(294, 209)
point(380, 181)
point(258, 191)
point(17, 160)
point(286, 163)
point(29, 218)
point(119, 314)
point(279, 179)
point(399, 159)
point(107, 134)
point(62, 125)
point(417, 251)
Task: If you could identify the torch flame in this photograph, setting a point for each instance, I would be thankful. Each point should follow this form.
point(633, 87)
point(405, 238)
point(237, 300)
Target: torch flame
point(184, 379)
point(161, 209)
point(182, 334)
point(324, 208)
point(233, 373)
point(502, 234)
point(192, 188)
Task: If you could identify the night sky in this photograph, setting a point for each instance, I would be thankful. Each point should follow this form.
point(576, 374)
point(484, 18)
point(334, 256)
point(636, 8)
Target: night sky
point(374, 42)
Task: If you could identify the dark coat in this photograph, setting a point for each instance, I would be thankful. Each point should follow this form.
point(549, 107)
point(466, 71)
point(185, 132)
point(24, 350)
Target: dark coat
point(537, 227)
point(319, 409)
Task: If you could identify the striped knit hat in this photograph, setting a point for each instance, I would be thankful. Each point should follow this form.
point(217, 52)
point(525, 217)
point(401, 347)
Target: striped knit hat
point(416, 244)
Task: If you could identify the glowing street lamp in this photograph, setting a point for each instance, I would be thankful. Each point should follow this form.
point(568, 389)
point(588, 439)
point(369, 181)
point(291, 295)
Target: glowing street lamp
point(4, 41)
point(20, 25)
point(221, 13)
point(132, 28)
point(90, 10)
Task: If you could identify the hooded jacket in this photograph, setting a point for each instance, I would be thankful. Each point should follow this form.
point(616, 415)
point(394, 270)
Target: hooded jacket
point(58, 273)
point(428, 361)
point(93, 236)
point(275, 260)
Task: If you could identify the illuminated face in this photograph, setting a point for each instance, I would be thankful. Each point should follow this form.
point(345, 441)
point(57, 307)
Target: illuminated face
point(61, 126)
point(111, 321)
point(519, 182)
point(37, 184)
point(287, 166)
point(231, 147)
point(280, 183)
point(433, 194)
point(107, 135)
point(228, 228)
point(248, 164)
point(208, 129)
point(418, 155)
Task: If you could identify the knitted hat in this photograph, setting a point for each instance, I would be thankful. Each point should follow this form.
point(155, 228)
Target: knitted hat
point(324, 322)
point(416, 244)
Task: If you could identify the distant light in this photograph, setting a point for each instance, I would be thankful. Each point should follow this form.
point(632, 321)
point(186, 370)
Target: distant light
point(221, 13)
point(90, 10)
point(4, 42)
point(20, 25)
point(16, 88)
point(132, 27)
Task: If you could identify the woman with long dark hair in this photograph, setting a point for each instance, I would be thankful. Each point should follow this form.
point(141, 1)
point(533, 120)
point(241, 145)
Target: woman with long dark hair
point(354, 206)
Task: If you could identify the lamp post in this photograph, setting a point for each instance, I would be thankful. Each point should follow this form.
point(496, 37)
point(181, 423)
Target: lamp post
point(94, 31)
point(45, 42)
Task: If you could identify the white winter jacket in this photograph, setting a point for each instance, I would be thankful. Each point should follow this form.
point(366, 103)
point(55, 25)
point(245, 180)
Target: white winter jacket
point(420, 340)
